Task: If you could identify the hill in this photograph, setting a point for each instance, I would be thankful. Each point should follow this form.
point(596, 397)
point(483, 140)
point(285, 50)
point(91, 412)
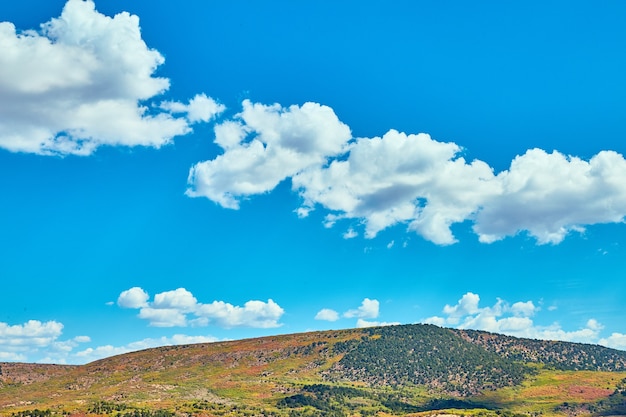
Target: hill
point(385, 370)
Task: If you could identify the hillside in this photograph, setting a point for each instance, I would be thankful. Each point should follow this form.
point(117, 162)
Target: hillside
point(389, 370)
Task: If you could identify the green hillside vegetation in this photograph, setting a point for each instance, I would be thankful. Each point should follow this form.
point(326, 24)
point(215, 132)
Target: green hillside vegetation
point(425, 355)
point(412, 370)
point(564, 356)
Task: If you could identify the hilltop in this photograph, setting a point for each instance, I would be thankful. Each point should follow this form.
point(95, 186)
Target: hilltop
point(388, 370)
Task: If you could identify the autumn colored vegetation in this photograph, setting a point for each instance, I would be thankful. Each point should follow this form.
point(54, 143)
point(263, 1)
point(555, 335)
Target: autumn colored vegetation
point(412, 370)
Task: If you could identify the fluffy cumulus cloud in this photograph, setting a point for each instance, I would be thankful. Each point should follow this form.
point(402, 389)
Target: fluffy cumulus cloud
point(133, 298)
point(550, 194)
point(369, 309)
point(84, 80)
point(263, 145)
point(409, 179)
point(199, 109)
point(30, 340)
point(615, 341)
point(327, 314)
point(179, 308)
point(399, 178)
point(513, 319)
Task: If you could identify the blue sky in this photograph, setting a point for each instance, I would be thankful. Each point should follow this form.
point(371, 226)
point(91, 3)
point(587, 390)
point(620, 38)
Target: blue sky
point(177, 173)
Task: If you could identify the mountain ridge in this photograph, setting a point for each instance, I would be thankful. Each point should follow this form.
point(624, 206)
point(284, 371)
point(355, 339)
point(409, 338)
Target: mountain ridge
point(396, 369)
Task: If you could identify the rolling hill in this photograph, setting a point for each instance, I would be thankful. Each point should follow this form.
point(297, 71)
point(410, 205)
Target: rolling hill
point(395, 370)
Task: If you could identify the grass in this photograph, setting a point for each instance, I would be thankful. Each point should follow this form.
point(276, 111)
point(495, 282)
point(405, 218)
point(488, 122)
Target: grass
point(549, 389)
point(255, 374)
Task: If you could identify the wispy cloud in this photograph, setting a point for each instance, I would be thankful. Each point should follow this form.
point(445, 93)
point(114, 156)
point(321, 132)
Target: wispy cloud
point(179, 308)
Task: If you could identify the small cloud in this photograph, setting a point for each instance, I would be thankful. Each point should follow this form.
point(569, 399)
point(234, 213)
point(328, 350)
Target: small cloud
point(200, 108)
point(82, 339)
point(179, 299)
point(525, 309)
point(436, 320)
point(327, 314)
point(360, 323)
point(163, 317)
point(369, 309)
point(594, 325)
point(179, 308)
point(302, 212)
point(350, 234)
point(468, 304)
point(515, 320)
point(390, 244)
point(26, 342)
point(134, 297)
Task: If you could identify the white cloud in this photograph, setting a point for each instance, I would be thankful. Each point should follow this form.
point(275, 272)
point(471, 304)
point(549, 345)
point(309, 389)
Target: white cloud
point(179, 299)
point(360, 323)
point(615, 341)
point(408, 179)
point(400, 178)
point(92, 354)
point(32, 334)
point(327, 314)
point(12, 357)
point(525, 309)
point(134, 297)
point(515, 320)
point(82, 339)
point(550, 195)
point(253, 314)
point(62, 86)
point(468, 304)
point(264, 145)
point(350, 234)
point(369, 309)
point(200, 108)
point(163, 317)
point(179, 308)
point(436, 320)
point(28, 341)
